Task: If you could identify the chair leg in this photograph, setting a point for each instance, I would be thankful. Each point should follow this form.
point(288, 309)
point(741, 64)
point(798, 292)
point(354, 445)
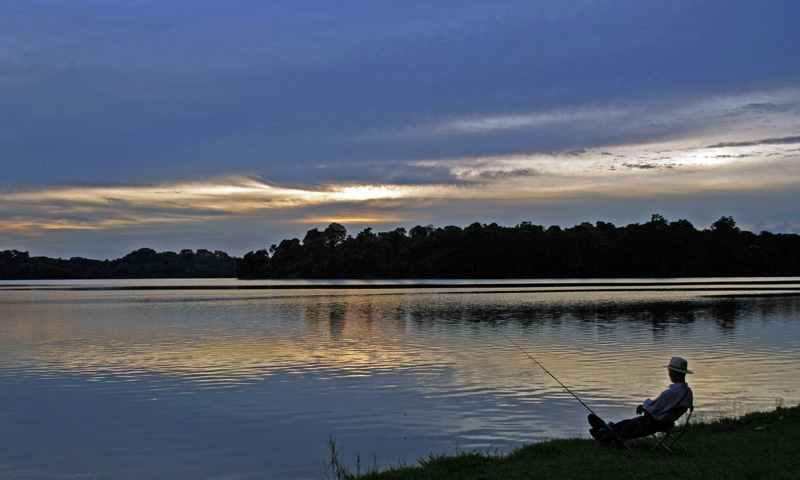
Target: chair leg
point(676, 442)
point(667, 440)
point(662, 442)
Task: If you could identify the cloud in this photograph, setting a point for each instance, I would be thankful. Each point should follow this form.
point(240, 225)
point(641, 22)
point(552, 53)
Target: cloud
point(785, 227)
point(726, 117)
point(501, 174)
point(489, 187)
point(497, 123)
point(737, 143)
point(645, 166)
point(638, 170)
point(766, 141)
point(38, 210)
point(478, 124)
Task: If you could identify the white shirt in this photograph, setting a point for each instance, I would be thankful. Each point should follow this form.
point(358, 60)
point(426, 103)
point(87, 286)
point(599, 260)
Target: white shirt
point(678, 394)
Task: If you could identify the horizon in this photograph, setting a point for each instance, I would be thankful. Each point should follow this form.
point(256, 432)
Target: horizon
point(353, 233)
point(231, 127)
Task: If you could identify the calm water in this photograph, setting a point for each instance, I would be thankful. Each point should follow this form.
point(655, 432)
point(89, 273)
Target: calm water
point(228, 379)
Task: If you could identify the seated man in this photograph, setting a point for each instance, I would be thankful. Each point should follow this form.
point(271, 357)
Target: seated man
point(656, 415)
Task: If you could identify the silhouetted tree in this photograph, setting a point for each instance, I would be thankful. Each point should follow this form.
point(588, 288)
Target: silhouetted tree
point(142, 263)
point(658, 248)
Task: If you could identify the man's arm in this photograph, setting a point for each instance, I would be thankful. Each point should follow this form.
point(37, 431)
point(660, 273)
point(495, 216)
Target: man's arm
point(664, 403)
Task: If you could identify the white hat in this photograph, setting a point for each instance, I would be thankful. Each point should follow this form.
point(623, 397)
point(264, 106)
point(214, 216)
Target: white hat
point(679, 365)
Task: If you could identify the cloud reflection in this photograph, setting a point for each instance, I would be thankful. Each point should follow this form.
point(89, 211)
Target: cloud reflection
point(374, 355)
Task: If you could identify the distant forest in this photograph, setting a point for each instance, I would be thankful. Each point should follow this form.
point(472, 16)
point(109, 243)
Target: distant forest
point(656, 249)
point(142, 263)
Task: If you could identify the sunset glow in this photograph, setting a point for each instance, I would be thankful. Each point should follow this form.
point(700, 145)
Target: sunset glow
point(138, 125)
point(630, 171)
point(259, 239)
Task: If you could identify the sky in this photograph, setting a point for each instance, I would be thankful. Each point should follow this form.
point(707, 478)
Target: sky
point(232, 125)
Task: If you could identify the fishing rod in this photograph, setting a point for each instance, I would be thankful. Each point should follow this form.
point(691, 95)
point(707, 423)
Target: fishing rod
point(545, 370)
point(620, 439)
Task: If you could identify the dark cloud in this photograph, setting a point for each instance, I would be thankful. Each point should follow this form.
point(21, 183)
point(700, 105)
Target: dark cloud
point(643, 166)
point(503, 174)
point(752, 143)
point(767, 107)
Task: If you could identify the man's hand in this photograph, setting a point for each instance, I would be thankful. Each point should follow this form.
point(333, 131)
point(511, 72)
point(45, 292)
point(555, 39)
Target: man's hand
point(640, 410)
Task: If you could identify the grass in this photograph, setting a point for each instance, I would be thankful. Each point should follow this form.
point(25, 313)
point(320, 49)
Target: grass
point(756, 445)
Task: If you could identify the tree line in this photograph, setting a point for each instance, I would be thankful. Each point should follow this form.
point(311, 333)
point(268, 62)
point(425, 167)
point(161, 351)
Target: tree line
point(142, 263)
point(658, 249)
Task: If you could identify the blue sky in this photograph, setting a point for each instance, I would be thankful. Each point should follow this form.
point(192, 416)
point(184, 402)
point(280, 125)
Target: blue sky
point(233, 125)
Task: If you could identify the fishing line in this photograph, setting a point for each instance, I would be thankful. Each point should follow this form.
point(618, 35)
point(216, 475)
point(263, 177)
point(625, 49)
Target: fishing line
point(545, 370)
point(620, 439)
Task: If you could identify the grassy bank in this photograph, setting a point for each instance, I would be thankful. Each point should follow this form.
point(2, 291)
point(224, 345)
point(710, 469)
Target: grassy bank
point(757, 445)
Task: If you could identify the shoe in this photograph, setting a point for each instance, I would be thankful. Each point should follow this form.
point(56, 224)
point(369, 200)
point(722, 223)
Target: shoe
point(596, 422)
point(601, 434)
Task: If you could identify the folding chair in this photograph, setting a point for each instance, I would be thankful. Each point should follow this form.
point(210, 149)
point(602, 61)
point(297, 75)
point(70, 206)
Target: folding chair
point(670, 436)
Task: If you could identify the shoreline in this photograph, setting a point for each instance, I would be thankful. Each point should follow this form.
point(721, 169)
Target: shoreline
point(694, 284)
point(754, 445)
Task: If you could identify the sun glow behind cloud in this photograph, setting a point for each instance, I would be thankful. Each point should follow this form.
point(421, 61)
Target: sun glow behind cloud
point(669, 168)
point(666, 168)
point(366, 192)
point(719, 145)
point(111, 207)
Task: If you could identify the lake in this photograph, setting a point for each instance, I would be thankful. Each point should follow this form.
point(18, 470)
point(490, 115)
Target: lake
point(234, 379)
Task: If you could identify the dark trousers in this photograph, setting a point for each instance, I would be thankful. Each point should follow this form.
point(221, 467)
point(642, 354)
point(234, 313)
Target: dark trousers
point(637, 427)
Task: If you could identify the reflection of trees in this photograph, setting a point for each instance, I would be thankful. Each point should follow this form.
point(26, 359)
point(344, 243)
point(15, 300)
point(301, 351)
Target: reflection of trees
point(353, 316)
point(337, 315)
point(728, 311)
point(336, 319)
point(658, 248)
point(658, 315)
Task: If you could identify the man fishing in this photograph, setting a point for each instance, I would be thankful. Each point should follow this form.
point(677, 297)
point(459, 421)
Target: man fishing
point(655, 415)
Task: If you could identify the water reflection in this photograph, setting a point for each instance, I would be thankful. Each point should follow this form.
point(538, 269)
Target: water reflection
point(392, 371)
point(658, 315)
point(246, 338)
